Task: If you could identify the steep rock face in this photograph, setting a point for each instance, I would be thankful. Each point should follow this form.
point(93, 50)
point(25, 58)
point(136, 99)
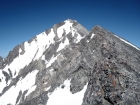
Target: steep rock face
point(1, 61)
point(67, 62)
point(115, 74)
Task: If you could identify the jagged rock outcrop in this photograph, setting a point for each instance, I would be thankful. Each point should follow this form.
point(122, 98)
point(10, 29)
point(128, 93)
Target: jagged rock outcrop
point(67, 62)
point(1, 61)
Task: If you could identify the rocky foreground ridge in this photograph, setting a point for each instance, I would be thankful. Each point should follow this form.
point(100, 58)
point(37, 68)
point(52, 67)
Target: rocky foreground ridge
point(68, 65)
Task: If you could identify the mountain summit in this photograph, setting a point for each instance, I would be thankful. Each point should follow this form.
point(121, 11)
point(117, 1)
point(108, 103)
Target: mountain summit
point(69, 65)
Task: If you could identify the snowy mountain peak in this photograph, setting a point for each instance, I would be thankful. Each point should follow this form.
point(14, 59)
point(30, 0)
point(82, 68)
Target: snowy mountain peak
point(46, 46)
point(70, 20)
point(67, 64)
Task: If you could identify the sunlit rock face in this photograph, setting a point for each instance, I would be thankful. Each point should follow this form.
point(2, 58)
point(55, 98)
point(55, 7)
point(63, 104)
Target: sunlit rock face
point(69, 65)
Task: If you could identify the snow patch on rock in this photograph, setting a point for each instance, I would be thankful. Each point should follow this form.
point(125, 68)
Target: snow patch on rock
point(22, 85)
point(62, 45)
point(127, 42)
point(66, 27)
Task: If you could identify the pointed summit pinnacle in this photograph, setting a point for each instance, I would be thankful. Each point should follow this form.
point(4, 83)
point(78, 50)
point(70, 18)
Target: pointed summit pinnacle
point(70, 20)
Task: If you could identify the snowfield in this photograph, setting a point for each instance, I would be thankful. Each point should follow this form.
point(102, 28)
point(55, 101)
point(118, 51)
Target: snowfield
point(63, 96)
point(27, 83)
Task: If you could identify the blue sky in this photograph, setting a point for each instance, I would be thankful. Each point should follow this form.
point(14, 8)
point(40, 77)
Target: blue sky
point(20, 20)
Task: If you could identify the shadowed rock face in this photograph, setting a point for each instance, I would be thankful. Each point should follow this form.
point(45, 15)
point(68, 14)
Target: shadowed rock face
point(108, 66)
point(1, 61)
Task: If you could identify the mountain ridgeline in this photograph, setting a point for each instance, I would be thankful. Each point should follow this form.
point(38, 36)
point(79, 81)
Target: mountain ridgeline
point(69, 65)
